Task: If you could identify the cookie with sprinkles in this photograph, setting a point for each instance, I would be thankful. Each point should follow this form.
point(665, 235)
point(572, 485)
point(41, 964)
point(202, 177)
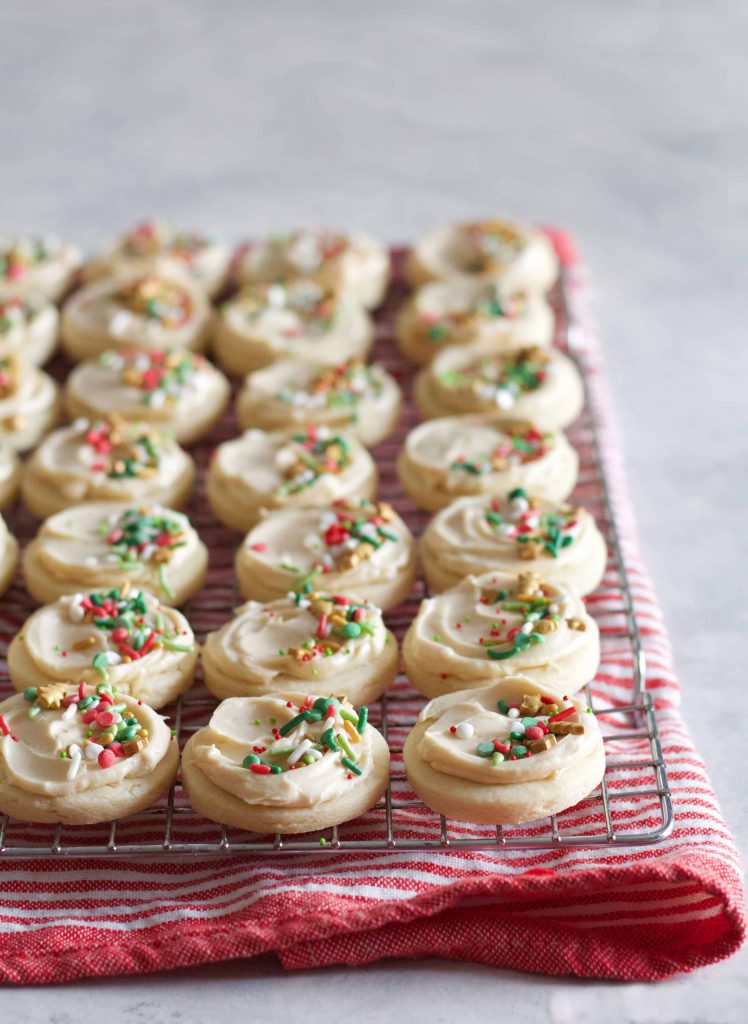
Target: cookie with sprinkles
point(8, 556)
point(298, 319)
point(532, 383)
point(310, 640)
point(462, 311)
point(351, 396)
point(106, 544)
point(513, 533)
point(267, 470)
point(28, 328)
point(29, 403)
point(351, 263)
point(521, 257)
point(285, 763)
point(123, 637)
point(10, 475)
point(456, 456)
point(157, 245)
point(79, 754)
point(353, 546)
point(174, 390)
point(38, 265)
point(148, 311)
point(507, 753)
point(497, 625)
point(106, 460)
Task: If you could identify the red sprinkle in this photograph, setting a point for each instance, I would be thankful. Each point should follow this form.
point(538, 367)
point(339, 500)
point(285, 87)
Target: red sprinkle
point(563, 714)
point(82, 687)
point(107, 758)
point(260, 769)
point(259, 547)
point(104, 719)
point(534, 732)
point(503, 748)
point(4, 726)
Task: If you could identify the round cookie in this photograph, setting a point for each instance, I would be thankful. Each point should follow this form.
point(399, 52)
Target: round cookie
point(306, 642)
point(512, 534)
point(262, 764)
point(78, 755)
point(353, 546)
point(177, 391)
point(461, 311)
point(155, 245)
point(123, 637)
point(10, 475)
point(105, 544)
point(455, 456)
point(300, 319)
point(499, 624)
point(505, 754)
point(29, 403)
point(36, 266)
point(147, 311)
point(28, 328)
point(536, 384)
point(310, 466)
point(351, 263)
point(8, 556)
point(105, 460)
point(520, 257)
point(354, 396)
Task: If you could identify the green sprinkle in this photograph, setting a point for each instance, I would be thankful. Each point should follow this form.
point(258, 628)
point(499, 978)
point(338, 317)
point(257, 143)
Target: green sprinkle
point(503, 707)
point(484, 749)
point(250, 759)
point(349, 715)
point(322, 841)
point(328, 738)
point(363, 716)
point(343, 741)
point(34, 711)
point(351, 630)
point(497, 757)
point(257, 721)
point(30, 693)
point(351, 765)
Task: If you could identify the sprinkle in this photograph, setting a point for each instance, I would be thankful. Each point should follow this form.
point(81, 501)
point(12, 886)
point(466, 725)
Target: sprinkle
point(351, 765)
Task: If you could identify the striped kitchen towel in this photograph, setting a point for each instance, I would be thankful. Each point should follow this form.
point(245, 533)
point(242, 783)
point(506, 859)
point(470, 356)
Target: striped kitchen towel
point(627, 912)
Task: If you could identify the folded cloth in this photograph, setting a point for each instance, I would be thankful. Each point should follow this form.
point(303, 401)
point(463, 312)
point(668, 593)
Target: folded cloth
point(634, 913)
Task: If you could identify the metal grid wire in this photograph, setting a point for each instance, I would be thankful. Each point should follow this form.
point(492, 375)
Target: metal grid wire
point(635, 770)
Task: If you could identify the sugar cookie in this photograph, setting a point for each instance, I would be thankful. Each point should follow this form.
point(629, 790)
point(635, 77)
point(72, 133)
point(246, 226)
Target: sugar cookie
point(28, 328)
point(517, 532)
point(509, 753)
point(300, 319)
point(456, 456)
point(123, 636)
point(36, 266)
point(29, 403)
point(460, 311)
point(75, 755)
point(308, 466)
point(353, 396)
point(8, 556)
point(105, 544)
point(177, 391)
point(520, 257)
point(105, 460)
point(285, 763)
point(328, 645)
point(499, 624)
point(353, 546)
point(10, 475)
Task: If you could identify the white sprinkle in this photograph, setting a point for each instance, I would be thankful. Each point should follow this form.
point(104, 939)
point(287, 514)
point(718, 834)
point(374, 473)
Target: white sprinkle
point(504, 399)
point(527, 628)
point(93, 750)
point(513, 713)
point(316, 755)
point(518, 726)
point(299, 751)
point(74, 766)
point(465, 730)
point(70, 712)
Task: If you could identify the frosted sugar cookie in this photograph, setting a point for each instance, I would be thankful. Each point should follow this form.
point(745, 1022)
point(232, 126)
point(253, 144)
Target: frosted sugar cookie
point(460, 311)
point(28, 328)
point(79, 755)
point(455, 456)
point(105, 460)
point(517, 532)
point(533, 383)
point(363, 399)
point(10, 475)
point(36, 266)
point(285, 763)
point(520, 257)
point(310, 466)
point(124, 637)
point(505, 754)
point(350, 263)
point(498, 624)
point(29, 403)
point(8, 556)
point(149, 311)
point(177, 390)
point(105, 544)
point(155, 245)
point(299, 319)
point(353, 546)
point(306, 641)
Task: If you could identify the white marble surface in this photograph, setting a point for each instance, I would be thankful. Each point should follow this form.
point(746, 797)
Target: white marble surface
point(625, 123)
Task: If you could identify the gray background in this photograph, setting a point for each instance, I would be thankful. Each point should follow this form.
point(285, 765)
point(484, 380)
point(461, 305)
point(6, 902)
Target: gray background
point(625, 123)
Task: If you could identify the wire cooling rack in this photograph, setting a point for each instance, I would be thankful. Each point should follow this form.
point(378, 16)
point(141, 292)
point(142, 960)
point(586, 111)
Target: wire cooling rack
point(632, 805)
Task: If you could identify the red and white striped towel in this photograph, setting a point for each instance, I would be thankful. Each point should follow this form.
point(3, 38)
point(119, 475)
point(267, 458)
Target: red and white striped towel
point(631, 913)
